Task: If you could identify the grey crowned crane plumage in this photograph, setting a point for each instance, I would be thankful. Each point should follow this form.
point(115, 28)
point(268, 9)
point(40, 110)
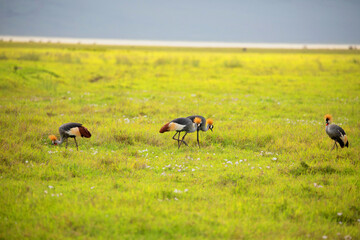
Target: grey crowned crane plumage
point(205, 125)
point(70, 130)
point(181, 125)
point(336, 133)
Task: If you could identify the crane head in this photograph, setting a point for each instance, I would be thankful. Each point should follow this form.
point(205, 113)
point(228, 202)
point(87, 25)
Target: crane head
point(53, 139)
point(210, 122)
point(197, 121)
point(328, 119)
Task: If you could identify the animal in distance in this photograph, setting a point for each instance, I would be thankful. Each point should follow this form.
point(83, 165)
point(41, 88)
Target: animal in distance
point(181, 125)
point(336, 133)
point(70, 130)
point(205, 125)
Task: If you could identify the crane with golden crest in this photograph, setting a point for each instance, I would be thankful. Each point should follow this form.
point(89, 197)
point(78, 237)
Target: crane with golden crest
point(181, 125)
point(70, 130)
point(336, 133)
point(205, 125)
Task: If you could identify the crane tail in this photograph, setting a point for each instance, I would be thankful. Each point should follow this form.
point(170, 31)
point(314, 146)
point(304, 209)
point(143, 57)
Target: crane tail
point(343, 141)
point(165, 128)
point(340, 141)
point(84, 132)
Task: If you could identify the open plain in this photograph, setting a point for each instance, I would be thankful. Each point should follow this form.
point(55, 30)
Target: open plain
point(265, 172)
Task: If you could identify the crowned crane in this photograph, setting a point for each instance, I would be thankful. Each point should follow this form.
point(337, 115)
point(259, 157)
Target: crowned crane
point(336, 133)
point(205, 125)
point(181, 125)
point(70, 130)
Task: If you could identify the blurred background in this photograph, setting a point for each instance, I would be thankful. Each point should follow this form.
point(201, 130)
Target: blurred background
point(256, 21)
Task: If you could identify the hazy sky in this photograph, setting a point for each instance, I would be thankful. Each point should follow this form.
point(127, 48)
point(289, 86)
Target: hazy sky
point(258, 21)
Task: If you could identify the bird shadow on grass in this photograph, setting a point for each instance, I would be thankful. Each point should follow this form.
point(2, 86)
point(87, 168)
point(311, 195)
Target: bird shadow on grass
point(304, 169)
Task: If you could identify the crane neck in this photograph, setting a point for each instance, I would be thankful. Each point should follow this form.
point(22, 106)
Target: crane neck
point(204, 127)
point(59, 142)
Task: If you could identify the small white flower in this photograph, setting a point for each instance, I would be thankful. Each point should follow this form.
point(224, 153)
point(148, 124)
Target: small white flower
point(240, 160)
point(347, 237)
point(51, 187)
point(45, 191)
point(340, 222)
point(236, 162)
point(26, 161)
point(186, 190)
point(324, 237)
point(60, 194)
point(193, 170)
point(339, 213)
point(318, 186)
point(177, 191)
point(52, 194)
point(92, 187)
point(268, 167)
point(274, 158)
point(176, 199)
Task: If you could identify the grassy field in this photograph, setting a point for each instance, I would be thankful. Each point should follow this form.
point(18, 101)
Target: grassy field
point(265, 172)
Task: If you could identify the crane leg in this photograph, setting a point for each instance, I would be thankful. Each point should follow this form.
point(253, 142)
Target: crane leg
point(175, 138)
point(333, 146)
point(179, 141)
point(66, 143)
point(198, 138)
point(182, 140)
point(76, 144)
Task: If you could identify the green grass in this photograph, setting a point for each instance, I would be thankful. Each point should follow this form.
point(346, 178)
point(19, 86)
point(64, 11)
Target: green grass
point(266, 171)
